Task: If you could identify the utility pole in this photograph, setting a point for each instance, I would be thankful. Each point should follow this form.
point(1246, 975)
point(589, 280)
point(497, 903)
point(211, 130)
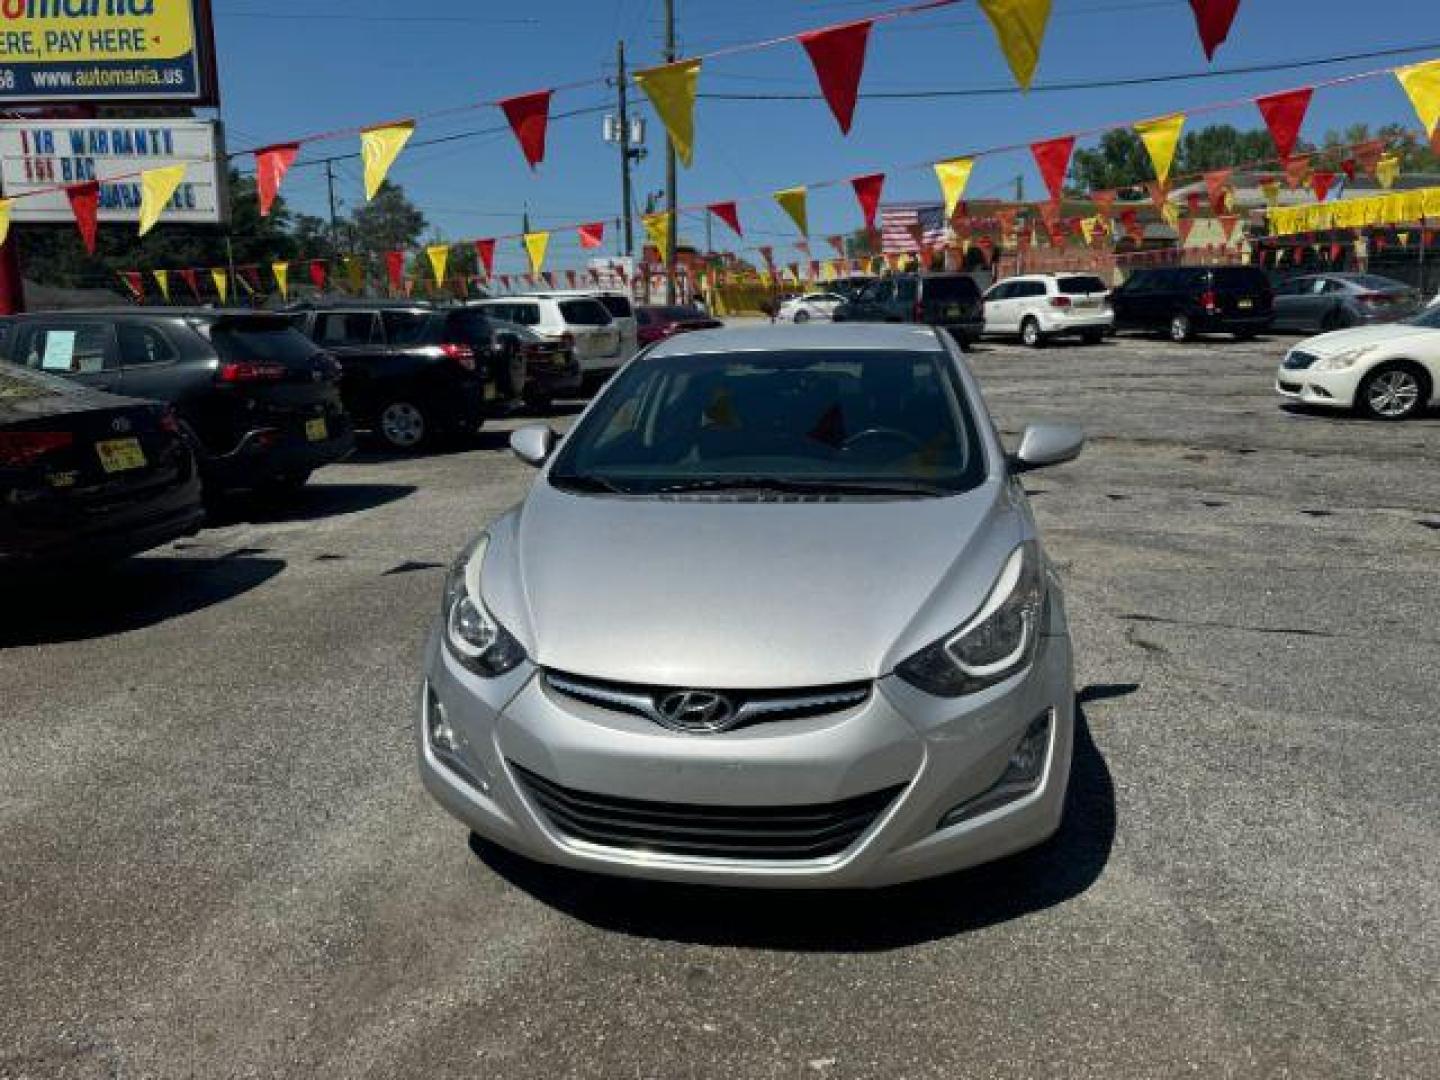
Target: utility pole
point(334, 224)
point(672, 219)
point(626, 154)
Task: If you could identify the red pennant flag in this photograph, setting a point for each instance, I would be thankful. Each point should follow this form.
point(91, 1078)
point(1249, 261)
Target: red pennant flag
point(317, 273)
point(1320, 184)
point(1213, 19)
point(271, 165)
point(1186, 226)
point(1284, 113)
point(1159, 194)
point(867, 191)
point(1227, 226)
point(505, 282)
point(814, 269)
point(838, 53)
point(251, 276)
point(1053, 158)
point(485, 252)
point(570, 277)
point(1192, 203)
point(1006, 219)
point(1296, 169)
point(592, 235)
point(1131, 221)
point(802, 246)
point(1336, 251)
point(395, 268)
point(528, 115)
point(1216, 184)
point(1381, 243)
point(838, 243)
point(135, 281)
point(85, 205)
point(190, 277)
point(1368, 155)
point(729, 213)
point(768, 254)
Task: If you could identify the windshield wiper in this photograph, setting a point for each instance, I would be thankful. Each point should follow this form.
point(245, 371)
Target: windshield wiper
point(795, 486)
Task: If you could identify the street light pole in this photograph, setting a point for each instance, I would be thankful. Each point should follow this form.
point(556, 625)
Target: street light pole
point(672, 222)
point(330, 184)
point(625, 151)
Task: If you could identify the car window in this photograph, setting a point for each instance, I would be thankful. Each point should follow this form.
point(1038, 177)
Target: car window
point(951, 287)
point(997, 292)
point(524, 314)
point(468, 326)
point(584, 313)
point(1376, 283)
point(77, 349)
point(141, 345)
point(403, 327)
point(1140, 281)
point(816, 415)
point(347, 328)
point(1293, 287)
point(618, 306)
point(267, 341)
point(1031, 288)
point(1079, 286)
point(906, 289)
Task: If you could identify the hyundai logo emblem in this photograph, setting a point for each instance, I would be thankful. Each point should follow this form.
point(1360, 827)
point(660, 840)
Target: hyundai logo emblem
point(696, 710)
point(120, 425)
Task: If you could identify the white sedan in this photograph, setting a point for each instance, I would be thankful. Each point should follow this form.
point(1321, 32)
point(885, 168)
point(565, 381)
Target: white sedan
point(1387, 372)
point(817, 306)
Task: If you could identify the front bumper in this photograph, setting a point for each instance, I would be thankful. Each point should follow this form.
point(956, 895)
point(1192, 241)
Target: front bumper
point(1324, 389)
point(938, 753)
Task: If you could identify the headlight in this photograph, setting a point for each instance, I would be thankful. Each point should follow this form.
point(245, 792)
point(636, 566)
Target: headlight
point(996, 643)
point(474, 636)
point(1344, 360)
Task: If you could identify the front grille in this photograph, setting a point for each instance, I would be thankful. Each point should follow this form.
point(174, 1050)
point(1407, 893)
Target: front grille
point(1299, 361)
point(741, 707)
point(1289, 387)
point(771, 833)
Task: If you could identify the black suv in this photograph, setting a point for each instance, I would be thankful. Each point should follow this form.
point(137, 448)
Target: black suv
point(412, 373)
point(951, 301)
point(260, 403)
point(1188, 300)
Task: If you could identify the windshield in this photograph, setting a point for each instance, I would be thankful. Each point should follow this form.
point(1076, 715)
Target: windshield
point(1430, 317)
point(584, 313)
point(882, 422)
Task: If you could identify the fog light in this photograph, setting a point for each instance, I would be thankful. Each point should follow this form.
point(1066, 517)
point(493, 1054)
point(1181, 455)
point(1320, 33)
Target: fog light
point(1021, 776)
point(447, 745)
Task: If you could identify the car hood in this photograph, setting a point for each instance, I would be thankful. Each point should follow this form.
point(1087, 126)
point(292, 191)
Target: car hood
point(1344, 340)
point(743, 594)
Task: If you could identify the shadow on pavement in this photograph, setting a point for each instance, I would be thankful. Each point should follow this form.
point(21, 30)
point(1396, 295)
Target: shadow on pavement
point(130, 595)
point(310, 503)
point(850, 921)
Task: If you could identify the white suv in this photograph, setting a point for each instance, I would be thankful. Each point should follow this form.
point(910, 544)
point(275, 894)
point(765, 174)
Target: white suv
point(577, 319)
point(1041, 306)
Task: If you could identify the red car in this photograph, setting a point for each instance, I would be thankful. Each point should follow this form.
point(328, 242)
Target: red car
point(659, 323)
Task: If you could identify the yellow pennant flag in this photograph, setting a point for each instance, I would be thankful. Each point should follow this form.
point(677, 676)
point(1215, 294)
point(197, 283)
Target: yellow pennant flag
point(281, 270)
point(379, 147)
point(1087, 229)
point(1404, 238)
point(953, 175)
point(355, 272)
point(1171, 213)
point(792, 201)
point(4, 219)
point(1422, 84)
point(162, 278)
point(1387, 170)
point(157, 186)
point(1161, 136)
point(1271, 190)
point(657, 228)
point(438, 255)
point(222, 282)
point(671, 89)
point(536, 244)
point(1020, 27)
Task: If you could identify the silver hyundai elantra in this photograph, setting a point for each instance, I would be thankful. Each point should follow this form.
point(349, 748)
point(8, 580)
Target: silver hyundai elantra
point(773, 613)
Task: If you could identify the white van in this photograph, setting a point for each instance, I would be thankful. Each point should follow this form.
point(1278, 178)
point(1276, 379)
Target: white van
point(577, 319)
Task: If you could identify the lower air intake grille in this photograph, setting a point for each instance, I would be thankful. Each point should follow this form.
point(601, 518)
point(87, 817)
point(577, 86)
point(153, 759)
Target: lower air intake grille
point(714, 832)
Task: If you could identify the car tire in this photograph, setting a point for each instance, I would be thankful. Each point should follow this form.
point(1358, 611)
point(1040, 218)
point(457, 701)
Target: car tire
point(1093, 337)
point(802, 316)
point(402, 425)
point(1030, 333)
point(1180, 329)
point(1394, 391)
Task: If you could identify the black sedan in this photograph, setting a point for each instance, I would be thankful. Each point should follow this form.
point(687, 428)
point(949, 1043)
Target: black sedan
point(86, 476)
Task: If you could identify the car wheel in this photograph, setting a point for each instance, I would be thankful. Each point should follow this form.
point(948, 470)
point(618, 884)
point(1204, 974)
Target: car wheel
point(1093, 337)
point(802, 316)
point(1030, 333)
point(1392, 392)
point(402, 425)
point(1180, 328)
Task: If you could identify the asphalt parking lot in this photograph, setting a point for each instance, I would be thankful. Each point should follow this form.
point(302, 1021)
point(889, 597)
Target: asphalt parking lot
point(216, 858)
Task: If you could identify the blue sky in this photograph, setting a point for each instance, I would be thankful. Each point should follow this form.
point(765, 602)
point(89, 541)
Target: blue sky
point(289, 69)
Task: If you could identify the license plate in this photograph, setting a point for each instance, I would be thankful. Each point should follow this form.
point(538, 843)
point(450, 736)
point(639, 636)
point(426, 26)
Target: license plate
point(315, 430)
point(118, 455)
point(1245, 304)
point(952, 311)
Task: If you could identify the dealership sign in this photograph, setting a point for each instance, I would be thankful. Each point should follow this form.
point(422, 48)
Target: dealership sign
point(106, 50)
point(37, 157)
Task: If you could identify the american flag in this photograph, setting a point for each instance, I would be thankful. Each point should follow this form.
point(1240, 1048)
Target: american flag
point(899, 224)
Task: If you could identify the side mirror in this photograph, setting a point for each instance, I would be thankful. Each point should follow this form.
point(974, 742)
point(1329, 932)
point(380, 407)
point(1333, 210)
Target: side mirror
point(533, 443)
point(1046, 444)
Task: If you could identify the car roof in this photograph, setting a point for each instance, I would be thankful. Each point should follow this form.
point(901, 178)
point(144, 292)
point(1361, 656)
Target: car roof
point(846, 337)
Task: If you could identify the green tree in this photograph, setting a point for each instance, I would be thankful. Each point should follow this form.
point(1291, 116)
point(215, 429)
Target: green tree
point(385, 223)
